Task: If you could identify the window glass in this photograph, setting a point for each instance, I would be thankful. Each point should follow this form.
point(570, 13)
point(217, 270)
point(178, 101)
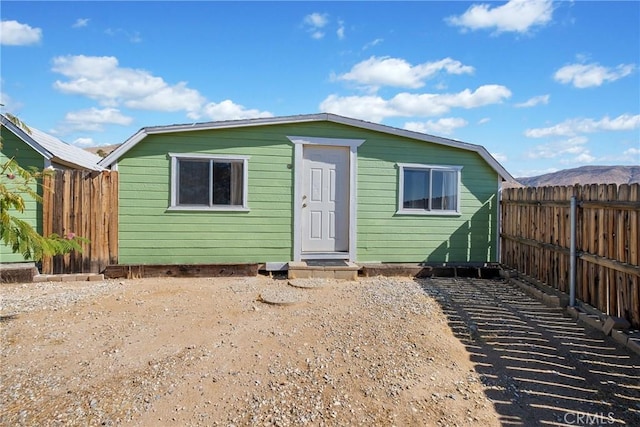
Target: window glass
point(436, 203)
point(210, 182)
point(221, 183)
point(429, 189)
point(416, 189)
point(193, 182)
point(450, 190)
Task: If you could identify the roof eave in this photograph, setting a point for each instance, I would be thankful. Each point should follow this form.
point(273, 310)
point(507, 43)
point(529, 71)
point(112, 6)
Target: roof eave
point(73, 165)
point(113, 157)
point(25, 137)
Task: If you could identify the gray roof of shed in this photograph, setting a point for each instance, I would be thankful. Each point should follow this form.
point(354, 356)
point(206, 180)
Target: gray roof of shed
point(305, 118)
point(53, 149)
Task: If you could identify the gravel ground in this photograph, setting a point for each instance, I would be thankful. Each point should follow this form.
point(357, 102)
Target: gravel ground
point(256, 351)
point(212, 352)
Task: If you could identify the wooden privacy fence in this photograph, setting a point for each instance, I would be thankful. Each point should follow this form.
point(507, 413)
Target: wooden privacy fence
point(84, 203)
point(536, 241)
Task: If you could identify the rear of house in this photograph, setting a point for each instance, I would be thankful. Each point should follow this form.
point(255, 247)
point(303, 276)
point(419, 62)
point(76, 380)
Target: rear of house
point(32, 148)
point(303, 187)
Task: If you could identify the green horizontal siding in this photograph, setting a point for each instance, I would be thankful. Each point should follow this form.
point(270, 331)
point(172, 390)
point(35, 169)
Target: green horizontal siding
point(27, 157)
point(149, 233)
point(387, 237)
point(152, 234)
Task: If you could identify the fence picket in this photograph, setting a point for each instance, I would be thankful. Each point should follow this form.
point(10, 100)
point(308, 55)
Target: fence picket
point(535, 239)
point(84, 203)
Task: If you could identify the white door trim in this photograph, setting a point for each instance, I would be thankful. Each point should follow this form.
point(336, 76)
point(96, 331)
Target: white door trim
point(299, 142)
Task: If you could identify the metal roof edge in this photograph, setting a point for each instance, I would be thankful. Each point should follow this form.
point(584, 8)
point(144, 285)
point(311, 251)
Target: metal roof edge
point(155, 130)
point(113, 157)
point(25, 137)
point(259, 121)
point(301, 118)
point(481, 150)
point(59, 155)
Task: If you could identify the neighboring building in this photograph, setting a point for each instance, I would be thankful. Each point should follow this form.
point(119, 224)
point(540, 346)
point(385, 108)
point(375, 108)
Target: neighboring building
point(33, 148)
point(300, 187)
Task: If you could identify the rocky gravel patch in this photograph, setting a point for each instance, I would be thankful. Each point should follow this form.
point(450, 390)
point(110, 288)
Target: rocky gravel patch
point(209, 352)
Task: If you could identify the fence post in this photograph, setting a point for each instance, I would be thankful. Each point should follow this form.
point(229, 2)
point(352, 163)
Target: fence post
point(572, 254)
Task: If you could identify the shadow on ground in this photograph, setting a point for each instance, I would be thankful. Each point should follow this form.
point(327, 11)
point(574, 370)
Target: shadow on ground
point(539, 367)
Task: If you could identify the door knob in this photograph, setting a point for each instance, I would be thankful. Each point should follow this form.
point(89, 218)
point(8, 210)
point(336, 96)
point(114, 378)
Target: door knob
point(304, 205)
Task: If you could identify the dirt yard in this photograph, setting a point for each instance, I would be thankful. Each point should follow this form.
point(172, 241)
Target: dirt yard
point(379, 351)
point(209, 351)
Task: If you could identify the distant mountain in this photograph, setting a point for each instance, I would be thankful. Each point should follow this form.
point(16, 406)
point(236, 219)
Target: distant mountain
point(103, 150)
point(585, 175)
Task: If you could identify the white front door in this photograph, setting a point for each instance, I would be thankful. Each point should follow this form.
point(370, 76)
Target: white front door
point(325, 199)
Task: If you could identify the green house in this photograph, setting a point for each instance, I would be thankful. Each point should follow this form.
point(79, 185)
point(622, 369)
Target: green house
point(319, 186)
point(32, 148)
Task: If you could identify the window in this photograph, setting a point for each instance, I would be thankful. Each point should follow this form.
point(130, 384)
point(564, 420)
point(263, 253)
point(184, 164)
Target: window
point(208, 182)
point(428, 189)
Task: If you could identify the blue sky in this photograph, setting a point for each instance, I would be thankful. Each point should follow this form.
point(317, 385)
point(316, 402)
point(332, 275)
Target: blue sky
point(542, 85)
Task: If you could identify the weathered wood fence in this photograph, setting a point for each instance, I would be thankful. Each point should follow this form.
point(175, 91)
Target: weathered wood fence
point(84, 203)
point(536, 241)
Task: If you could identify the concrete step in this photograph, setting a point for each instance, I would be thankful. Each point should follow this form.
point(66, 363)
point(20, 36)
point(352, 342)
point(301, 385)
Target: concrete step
point(303, 270)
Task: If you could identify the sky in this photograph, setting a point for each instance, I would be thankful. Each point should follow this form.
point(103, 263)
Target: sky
point(542, 85)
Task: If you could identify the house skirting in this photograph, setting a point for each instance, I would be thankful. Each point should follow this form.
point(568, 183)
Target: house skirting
point(302, 270)
point(180, 270)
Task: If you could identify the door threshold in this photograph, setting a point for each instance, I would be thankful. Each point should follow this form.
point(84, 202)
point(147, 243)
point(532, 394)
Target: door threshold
point(324, 255)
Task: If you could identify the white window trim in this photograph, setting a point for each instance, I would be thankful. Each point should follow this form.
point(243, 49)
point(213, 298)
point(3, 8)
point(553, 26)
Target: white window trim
point(175, 157)
point(403, 211)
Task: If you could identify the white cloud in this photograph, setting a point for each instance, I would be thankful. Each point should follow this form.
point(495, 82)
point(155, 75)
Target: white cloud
point(101, 78)
point(534, 172)
point(372, 108)
point(317, 20)
point(8, 103)
point(631, 152)
point(133, 37)
point(582, 158)
point(80, 23)
point(515, 16)
point(227, 110)
point(376, 108)
point(83, 142)
point(484, 120)
point(532, 102)
point(315, 23)
point(372, 43)
point(170, 98)
point(589, 75)
point(568, 152)
point(573, 146)
point(93, 120)
point(444, 126)
point(396, 72)
point(502, 158)
point(574, 127)
point(13, 33)
point(96, 115)
point(340, 31)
